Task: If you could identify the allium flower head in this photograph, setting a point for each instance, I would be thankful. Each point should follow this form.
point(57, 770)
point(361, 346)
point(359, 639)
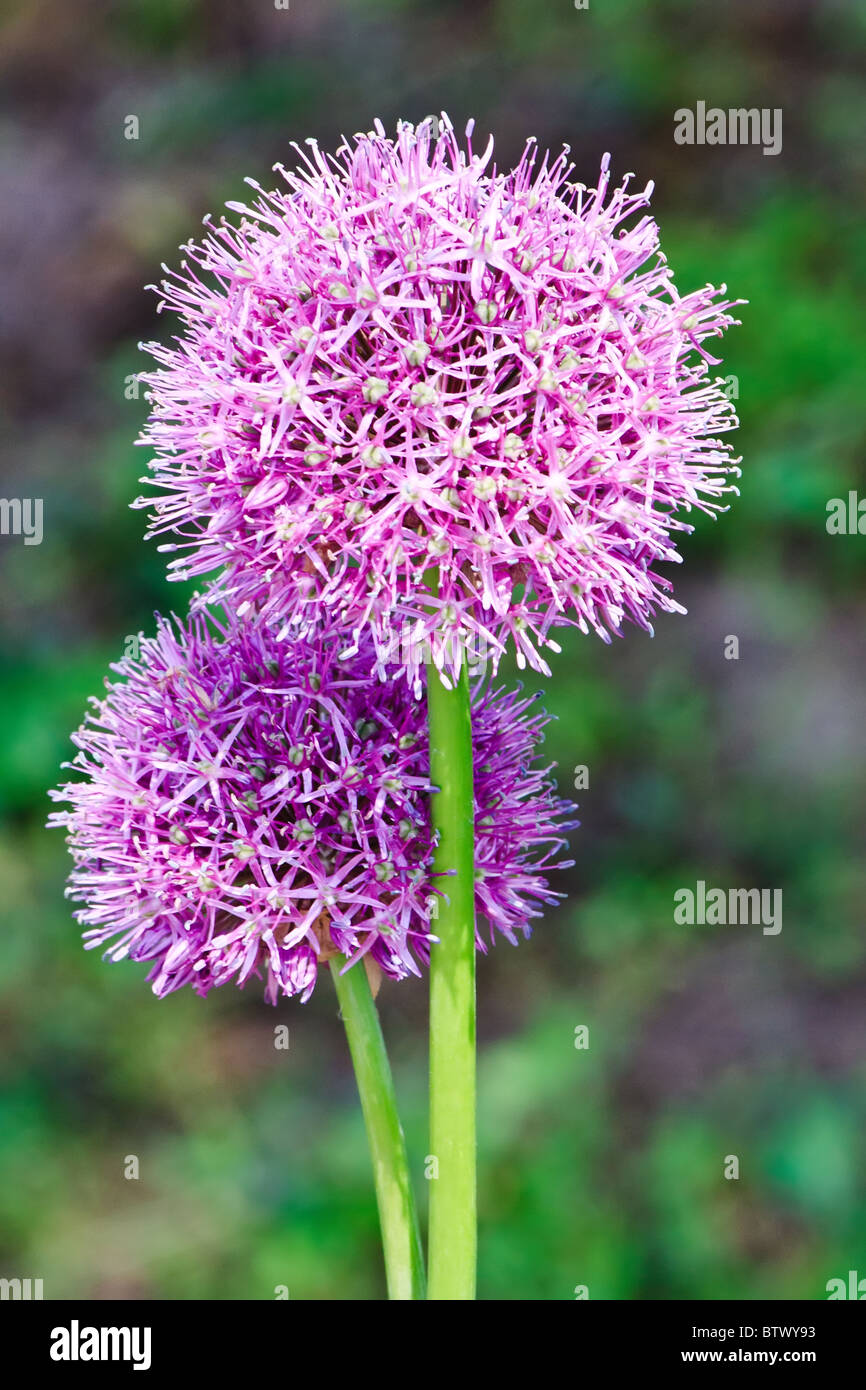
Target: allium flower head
point(250, 806)
point(406, 362)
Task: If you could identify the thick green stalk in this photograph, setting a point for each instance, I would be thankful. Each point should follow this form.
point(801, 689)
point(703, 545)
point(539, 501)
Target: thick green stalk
point(453, 1235)
point(404, 1262)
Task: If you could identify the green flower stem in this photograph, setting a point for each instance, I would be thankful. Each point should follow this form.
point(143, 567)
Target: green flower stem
point(453, 1236)
point(404, 1262)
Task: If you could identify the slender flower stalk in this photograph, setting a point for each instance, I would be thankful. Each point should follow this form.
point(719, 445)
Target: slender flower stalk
point(401, 1242)
point(452, 1236)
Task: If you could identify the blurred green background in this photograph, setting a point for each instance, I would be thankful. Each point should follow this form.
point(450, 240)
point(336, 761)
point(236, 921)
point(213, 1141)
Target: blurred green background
point(601, 1167)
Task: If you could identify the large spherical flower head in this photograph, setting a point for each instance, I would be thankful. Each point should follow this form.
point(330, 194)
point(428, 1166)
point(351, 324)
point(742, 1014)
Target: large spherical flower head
point(250, 806)
point(406, 363)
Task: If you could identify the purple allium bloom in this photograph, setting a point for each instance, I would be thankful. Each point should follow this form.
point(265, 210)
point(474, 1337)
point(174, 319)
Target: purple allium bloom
point(408, 360)
point(250, 805)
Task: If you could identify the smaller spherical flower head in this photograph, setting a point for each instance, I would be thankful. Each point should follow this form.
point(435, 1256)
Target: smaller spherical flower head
point(249, 806)
point(407, 360)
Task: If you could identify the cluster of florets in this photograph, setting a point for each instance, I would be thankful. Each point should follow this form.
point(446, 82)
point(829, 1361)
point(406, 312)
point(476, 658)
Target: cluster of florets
point(250, 806)
point(454, 406)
